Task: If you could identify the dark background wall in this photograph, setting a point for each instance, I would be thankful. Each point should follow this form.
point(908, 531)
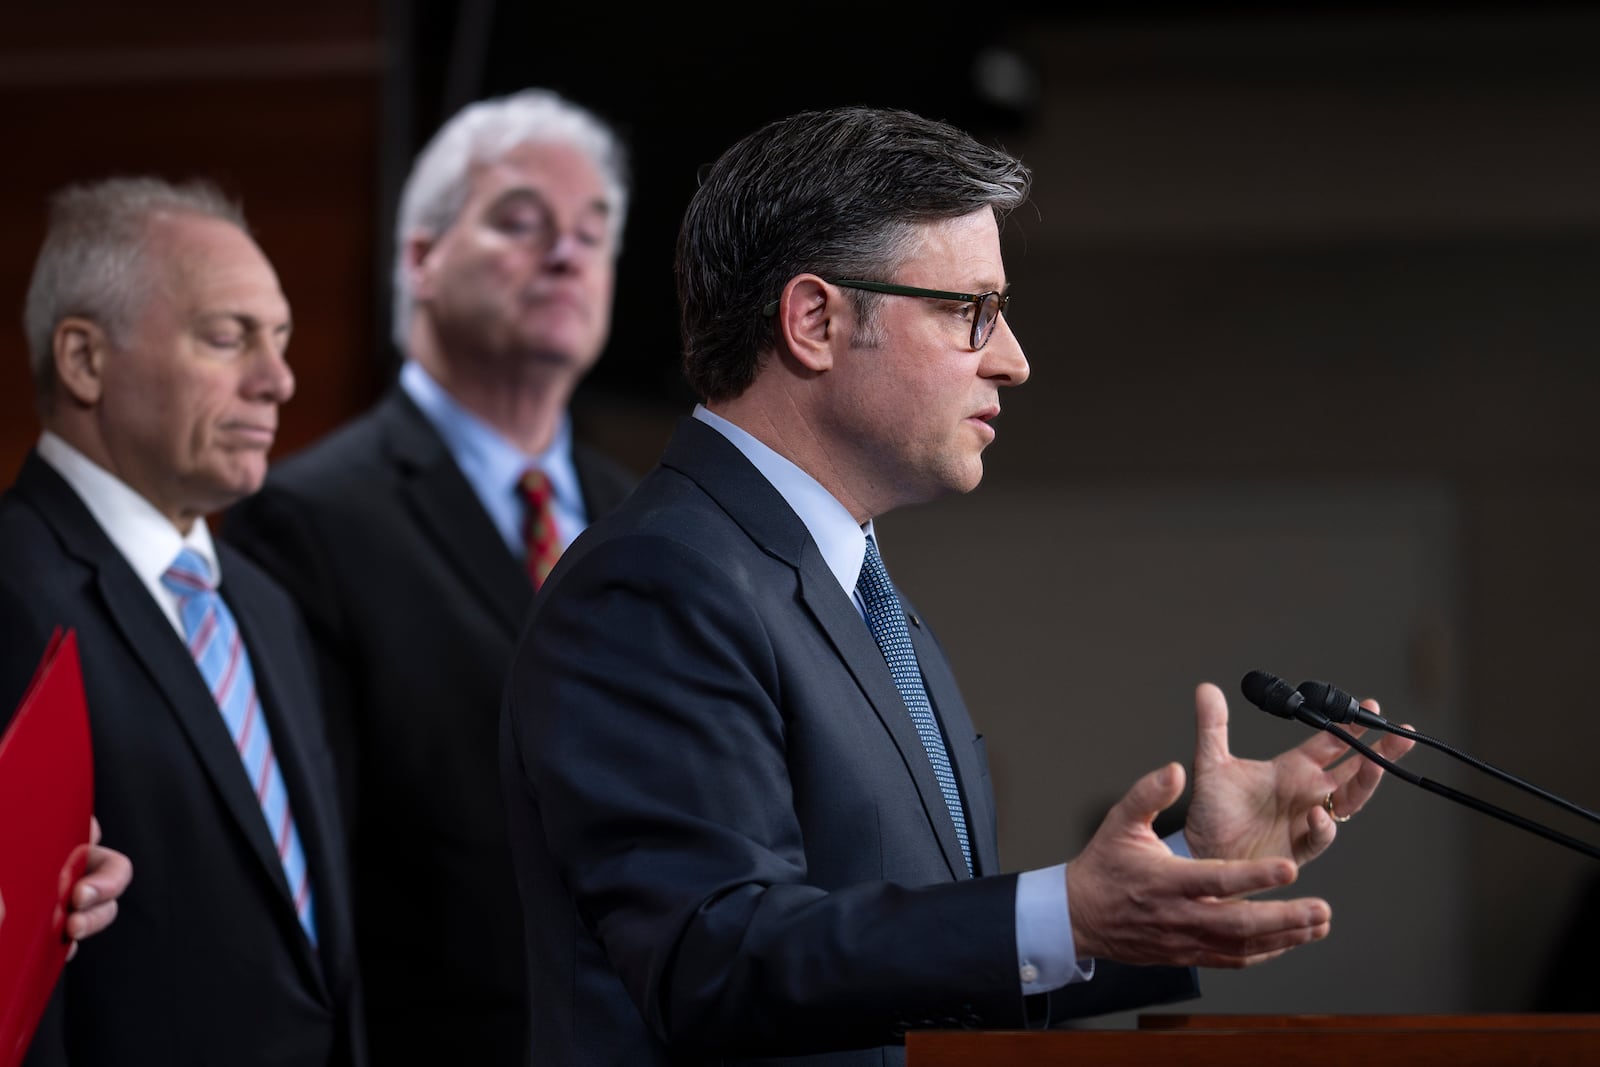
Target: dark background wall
point(1308, 302)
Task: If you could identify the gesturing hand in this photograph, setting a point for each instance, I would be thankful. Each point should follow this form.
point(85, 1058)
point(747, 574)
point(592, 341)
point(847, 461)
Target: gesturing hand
point(1250, 809)
point(1131, 899)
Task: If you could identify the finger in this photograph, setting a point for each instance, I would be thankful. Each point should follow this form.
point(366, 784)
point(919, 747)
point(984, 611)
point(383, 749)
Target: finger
point(1233, 878)
point(1393, 746)
point(94, 830)
point(105, 876)
point(1147, 798)
point(1357, 787)
point(1211, 727)
point(1242, 930)
point(1324, 749)
point(1248, 961)
point(90, 921)
point(1320, 832)
point(1236, 961)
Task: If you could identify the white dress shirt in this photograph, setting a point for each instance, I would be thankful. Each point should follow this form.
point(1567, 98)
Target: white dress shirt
point(146, 538)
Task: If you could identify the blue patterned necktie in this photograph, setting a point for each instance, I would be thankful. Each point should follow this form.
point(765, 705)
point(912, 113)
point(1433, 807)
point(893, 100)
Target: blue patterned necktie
point(887, 621)
point(218, 651)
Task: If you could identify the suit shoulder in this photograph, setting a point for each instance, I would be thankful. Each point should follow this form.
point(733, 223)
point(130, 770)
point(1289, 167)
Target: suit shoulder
point(33, 551)
point(594, 463)
point(327, 466)
point(671, 534)
point(19, 521)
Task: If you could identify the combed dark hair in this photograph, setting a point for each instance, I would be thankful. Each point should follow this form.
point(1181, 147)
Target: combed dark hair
point(836, 193)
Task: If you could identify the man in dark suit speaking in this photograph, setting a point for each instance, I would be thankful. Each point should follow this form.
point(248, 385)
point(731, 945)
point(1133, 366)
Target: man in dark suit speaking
point(413, 540)
point(750, 813)
point(157, 332)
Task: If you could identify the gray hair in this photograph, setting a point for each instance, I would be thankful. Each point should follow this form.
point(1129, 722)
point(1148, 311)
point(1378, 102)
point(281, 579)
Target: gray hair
point(837, 193)
point(481, 133)
point(92, 261)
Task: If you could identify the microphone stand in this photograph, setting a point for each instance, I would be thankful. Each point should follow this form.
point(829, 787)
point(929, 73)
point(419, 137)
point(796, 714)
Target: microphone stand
point(1504, 776)
point(1464, 798)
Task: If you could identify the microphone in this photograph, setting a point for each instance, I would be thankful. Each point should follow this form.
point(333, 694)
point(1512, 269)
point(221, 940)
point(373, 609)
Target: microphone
point(1340, 706)
point(1274, 696)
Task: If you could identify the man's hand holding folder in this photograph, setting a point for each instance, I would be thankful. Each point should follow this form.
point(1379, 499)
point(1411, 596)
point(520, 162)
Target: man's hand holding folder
point(58, 884)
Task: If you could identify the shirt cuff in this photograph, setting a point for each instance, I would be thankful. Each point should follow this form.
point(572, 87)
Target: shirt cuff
point(1046, 958)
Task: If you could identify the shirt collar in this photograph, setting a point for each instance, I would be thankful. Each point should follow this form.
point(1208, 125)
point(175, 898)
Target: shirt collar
point(483, 453)
point(146, 538)
point(842, 542)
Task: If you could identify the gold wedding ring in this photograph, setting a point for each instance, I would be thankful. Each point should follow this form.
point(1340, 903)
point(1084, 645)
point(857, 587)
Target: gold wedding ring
point(1327, 805)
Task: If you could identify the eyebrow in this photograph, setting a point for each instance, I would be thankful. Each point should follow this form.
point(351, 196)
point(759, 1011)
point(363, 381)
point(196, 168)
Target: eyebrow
point(599, 206)
point(245, 319)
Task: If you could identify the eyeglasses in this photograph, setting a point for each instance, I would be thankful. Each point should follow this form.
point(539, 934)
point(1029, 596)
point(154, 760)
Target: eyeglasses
point(986, 307)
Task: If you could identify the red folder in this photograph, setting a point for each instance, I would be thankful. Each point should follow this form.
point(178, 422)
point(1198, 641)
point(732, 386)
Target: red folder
point(46, 798)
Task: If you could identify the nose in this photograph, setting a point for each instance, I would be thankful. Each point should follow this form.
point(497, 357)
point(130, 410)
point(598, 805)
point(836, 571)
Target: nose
point(1003, 360)
point(269, 378)
point(566, 250)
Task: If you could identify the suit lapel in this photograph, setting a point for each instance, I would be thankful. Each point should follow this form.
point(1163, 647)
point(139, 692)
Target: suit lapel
point(449, 513)
point(734, 483)
point(157, 646)
point(848, 632)
point(285, 704)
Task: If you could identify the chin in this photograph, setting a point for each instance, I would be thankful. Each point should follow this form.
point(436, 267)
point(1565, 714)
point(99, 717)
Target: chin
point(966, 479)
point(572, 348)
point(233, 487)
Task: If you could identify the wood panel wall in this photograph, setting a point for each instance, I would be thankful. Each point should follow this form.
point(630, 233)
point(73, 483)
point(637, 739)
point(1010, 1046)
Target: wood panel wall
point(281, 107)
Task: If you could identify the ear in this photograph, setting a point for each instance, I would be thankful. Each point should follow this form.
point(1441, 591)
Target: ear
point(78, 350)
point(808, 321)
point(417, 247)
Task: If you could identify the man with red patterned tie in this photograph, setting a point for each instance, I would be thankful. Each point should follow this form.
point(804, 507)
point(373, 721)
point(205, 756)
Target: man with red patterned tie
point(414, 538)
point(157, 332)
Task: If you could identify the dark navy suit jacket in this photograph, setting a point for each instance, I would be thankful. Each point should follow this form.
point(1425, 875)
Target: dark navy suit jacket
point(729, 840)
point(414, 603)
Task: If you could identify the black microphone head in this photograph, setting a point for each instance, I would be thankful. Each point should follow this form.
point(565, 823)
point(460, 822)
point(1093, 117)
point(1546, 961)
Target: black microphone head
point(1271, 694)
point(1335, 703)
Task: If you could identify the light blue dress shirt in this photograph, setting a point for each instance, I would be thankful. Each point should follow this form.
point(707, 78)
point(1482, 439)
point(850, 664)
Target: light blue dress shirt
point(493, 465)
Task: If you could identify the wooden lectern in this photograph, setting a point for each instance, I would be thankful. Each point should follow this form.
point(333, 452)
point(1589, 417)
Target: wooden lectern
point(1301, 1040)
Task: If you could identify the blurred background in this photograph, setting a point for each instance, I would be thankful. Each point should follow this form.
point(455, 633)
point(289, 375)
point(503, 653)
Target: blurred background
point(1308, 303)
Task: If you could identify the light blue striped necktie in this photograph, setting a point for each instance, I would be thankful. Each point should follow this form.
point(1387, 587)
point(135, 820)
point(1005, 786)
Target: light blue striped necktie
point(218, 651)
point(887, 621)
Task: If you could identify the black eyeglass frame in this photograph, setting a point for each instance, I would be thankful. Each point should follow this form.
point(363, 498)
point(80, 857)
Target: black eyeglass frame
point(977, 300)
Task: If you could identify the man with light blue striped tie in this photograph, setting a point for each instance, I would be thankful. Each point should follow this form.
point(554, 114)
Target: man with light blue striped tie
point(158, 329)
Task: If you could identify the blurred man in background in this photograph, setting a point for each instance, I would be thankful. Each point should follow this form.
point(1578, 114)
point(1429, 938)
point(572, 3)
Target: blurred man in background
point(414, 540)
